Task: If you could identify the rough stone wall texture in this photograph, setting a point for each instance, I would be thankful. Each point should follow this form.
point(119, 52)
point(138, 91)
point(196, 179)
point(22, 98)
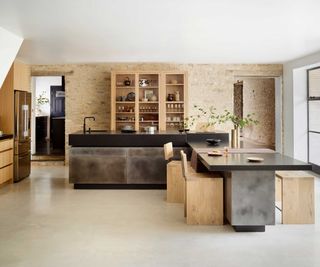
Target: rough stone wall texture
point(88, 86)
point(259, 98)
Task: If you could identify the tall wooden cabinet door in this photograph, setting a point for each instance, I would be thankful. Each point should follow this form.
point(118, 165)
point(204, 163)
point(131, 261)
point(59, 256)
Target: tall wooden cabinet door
point(22, 76)
point(162, 106)
point(7, 104)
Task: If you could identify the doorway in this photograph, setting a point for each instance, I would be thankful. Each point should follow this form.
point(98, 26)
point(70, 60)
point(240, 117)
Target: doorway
point(257, 95)
point(48, 139)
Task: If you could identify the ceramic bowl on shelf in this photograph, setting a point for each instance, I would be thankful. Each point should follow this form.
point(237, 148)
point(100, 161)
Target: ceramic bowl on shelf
point(131, 96)
point(144, 82)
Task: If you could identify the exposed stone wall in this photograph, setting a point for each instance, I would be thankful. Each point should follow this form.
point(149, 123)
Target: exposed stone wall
point(88, 87)
point(259, 98)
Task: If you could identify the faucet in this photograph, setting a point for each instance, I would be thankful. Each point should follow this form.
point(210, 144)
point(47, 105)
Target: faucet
point(84, 123)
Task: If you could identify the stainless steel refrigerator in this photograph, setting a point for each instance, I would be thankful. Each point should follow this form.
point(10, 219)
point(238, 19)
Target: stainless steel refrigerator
point(22, 135)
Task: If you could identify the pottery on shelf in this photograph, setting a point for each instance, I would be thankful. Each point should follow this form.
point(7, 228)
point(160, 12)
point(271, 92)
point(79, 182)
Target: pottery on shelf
point(153, 98)
point(127, 82)
point(170, 97)
point(144, 82)
point(177, 94)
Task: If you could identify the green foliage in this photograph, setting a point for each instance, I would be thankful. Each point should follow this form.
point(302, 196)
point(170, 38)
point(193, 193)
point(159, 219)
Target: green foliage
point(209, 116)
point(41, 100)
point(237, 121)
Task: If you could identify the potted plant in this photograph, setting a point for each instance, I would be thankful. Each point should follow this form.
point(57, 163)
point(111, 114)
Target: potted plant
point(40, 101)
point(238, 123)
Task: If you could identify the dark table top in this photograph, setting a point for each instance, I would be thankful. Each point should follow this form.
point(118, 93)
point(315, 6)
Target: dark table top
point(239, 161)
point(237, 158)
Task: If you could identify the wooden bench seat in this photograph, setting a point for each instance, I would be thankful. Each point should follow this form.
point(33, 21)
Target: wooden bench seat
point(295, 192)
point(175, 180)
point(203, 195)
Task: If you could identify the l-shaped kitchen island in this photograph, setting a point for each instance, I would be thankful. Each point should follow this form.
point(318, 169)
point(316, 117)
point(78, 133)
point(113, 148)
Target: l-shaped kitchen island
point(115, 160)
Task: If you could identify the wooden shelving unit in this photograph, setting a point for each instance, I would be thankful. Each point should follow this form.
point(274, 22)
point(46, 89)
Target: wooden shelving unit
point(145, 101)
point(176, 106)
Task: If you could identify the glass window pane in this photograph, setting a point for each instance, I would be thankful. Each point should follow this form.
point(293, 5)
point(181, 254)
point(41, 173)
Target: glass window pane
point(314, 83)
point(314, 148)
point(314, 116)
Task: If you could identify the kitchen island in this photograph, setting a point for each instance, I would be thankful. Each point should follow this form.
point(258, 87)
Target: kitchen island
point(102, 159)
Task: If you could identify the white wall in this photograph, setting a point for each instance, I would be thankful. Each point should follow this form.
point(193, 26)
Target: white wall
point(295, 104)
point(9, 47)
point(42, 85)
point(300, 114)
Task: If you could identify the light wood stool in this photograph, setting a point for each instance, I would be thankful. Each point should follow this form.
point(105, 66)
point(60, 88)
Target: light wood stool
point(203, 196)
point(296, 192)
point(175, 180)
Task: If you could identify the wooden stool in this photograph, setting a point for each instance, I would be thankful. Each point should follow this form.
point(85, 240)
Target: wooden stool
point(175, 180)
point(297, 196)
point(203, 197)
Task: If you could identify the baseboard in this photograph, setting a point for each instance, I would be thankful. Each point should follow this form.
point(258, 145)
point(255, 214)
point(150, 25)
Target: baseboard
point(121, 186)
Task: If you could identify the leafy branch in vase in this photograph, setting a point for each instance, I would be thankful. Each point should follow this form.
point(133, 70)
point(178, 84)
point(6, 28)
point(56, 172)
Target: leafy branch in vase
point(238, 122)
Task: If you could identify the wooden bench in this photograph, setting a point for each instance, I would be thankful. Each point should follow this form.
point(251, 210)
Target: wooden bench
point(295, 192)
point(203, 195)
point(175, 180)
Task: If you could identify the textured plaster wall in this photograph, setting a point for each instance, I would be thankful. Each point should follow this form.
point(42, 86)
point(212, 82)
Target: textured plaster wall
point(88, 86)
point(259, 98)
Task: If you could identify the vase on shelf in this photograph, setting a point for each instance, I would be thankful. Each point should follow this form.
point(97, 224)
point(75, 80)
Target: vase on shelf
point(235, 138)
point(177, 96)
point(170, 97)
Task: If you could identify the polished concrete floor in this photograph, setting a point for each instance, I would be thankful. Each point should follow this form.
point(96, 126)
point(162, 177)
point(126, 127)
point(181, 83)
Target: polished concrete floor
point(45, 222)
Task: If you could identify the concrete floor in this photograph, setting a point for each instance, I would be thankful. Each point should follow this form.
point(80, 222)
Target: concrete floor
point(45, 222)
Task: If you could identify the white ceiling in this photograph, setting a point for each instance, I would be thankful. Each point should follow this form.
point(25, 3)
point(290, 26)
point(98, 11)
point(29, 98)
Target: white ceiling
point(183, 31)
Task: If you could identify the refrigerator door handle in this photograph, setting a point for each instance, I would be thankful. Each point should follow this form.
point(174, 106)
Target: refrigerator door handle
point(25, 109)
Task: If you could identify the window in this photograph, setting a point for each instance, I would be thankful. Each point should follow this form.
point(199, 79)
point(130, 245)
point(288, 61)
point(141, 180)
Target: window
point(314, 116)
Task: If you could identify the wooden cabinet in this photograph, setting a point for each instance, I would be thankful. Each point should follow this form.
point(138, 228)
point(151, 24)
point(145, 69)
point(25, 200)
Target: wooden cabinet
point(6, 160)
point(148, 98)
point(21, 76)
point(18, 78)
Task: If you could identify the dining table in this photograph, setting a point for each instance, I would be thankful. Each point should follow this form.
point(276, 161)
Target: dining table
point(249, 186)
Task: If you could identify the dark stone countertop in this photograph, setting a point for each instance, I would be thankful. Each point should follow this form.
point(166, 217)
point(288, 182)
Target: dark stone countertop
point(140, 139)
point(6, 136)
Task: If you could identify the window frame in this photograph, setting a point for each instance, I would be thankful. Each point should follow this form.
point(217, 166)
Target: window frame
point(310, 98)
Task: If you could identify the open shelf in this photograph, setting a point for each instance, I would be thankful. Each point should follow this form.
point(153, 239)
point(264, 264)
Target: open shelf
point(126, 87)
point(157, 85)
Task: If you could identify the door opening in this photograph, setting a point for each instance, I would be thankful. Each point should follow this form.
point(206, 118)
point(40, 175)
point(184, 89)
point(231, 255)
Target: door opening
point(49, 118)
point(257, 95)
